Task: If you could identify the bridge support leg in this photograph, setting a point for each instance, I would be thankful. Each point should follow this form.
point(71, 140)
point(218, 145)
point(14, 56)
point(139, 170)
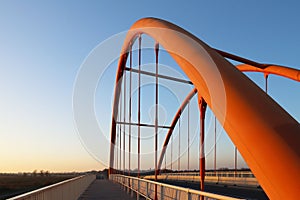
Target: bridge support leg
point(202, 107)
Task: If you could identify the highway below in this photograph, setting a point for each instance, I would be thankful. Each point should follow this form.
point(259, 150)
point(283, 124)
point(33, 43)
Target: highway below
point(227, 190)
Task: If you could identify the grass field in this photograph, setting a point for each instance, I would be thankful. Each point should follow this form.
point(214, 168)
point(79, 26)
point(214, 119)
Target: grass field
point(15, 184)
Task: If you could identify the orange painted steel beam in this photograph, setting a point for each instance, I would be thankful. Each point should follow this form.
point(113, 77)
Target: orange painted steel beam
point(252, 66)
point(241, 59)
point(265, 134)
point(287, 72)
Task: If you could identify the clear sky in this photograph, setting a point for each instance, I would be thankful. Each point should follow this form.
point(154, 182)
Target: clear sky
point(44, 43)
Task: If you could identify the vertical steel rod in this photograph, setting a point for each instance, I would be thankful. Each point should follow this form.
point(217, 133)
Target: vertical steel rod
point(202, 105)
point(116, 149)
point(165, 162)
point(172, 154)
point(139, 106)
point(129, 134)
point(215, 147)
point(188, 121)
point(156, 113)
point(120, 131)
point(235, 161)
point(266, 82)
point(124, 118)
point(118, 138)
point(179, 143)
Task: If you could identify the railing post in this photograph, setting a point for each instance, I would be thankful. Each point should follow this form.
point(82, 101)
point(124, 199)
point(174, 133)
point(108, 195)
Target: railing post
point(189, 195)
point(147, 188)
point(162, 192)
point(128, 185)
point(121, 182)
point(124, 185)
point(138, 190)
point(132, 187)
point(177, 196)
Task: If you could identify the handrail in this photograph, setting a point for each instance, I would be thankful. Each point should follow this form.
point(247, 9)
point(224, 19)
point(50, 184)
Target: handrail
point(83, 181)
point(115, 177)
point(237, 179)
point(211, 173)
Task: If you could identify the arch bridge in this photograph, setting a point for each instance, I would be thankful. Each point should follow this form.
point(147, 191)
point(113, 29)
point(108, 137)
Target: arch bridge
point(266, 135)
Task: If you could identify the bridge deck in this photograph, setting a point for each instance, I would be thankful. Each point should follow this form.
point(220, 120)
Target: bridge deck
point(105, 189)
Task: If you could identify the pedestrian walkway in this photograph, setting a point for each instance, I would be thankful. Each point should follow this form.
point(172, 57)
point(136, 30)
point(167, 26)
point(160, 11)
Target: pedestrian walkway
point(105, 189)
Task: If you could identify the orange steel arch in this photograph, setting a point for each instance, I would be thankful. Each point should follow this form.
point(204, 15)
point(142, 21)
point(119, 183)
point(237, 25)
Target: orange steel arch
point(264, 133)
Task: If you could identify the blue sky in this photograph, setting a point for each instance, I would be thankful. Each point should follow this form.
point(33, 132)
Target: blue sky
point(44, 43)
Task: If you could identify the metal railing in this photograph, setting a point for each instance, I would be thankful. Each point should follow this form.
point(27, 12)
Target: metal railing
point(240, 178)
point(146, 189)
point(244, 174)
point(68, 189)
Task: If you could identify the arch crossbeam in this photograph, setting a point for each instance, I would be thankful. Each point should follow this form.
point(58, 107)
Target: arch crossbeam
point(286, 72)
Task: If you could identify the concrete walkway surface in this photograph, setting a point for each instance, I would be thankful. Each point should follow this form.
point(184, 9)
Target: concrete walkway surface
point(105, 189)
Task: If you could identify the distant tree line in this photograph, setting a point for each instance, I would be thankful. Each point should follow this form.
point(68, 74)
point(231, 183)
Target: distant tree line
point(36, 173)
